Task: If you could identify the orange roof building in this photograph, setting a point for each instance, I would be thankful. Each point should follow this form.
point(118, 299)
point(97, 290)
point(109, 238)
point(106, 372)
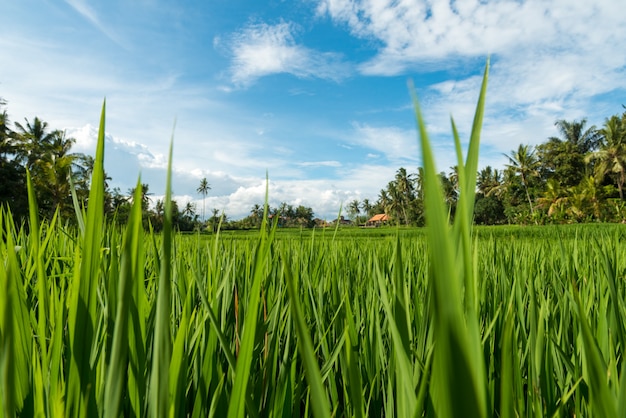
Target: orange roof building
point(377, 220)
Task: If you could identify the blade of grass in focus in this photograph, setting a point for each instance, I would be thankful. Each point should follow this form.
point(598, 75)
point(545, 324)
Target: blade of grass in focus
point(81, 399)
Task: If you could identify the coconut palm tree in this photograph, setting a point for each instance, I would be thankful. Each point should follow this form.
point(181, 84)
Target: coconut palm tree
point(203, 189)
point(366, 206)
point(524, 163)
point(145, 195)
point(610, 159)
point(32, 141)
point(354, 208)
point(574, 133)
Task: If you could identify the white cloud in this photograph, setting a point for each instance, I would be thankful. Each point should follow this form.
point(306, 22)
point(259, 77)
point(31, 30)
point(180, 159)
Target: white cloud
point(320, 164)
point(260, 50)
point(397, 144)
point(411, 31)
point(549, 58)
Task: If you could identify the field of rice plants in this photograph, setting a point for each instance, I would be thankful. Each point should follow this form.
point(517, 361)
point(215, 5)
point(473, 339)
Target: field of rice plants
point(448, 321)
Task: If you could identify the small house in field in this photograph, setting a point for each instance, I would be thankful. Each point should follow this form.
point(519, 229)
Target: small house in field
point(378, 220)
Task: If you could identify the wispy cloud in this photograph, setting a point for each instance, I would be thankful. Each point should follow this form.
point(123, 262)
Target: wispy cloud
point(260, 50)
point(397, 144)
point(320, 164)
point(89, 14)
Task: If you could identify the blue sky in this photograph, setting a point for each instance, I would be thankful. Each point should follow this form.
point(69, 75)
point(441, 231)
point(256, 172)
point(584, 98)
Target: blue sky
point(314, 92)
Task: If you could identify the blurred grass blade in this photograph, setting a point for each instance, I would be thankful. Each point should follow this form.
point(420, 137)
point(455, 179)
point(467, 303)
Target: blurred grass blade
point(459, 382)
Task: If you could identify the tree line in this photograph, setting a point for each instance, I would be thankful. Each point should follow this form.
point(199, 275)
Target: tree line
point(55, 170)
point(577, 176)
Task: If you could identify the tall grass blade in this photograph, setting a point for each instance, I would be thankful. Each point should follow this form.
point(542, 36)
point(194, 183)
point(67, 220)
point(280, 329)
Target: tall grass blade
point(162, 346)
point(237, 404)
point(82, 319)
point(320, 405)
point(118, 366)
point(459, 382)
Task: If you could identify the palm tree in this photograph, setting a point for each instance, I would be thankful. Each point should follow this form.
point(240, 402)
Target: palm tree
point(366, 206)
point(384, 201)
point(354, 208)
point(145, 195)
point(33, 140)
point(189, 210)
point(56, 166)
point(611, 158)
point(553, 199)
point(203, 189)
point(524, 163)
point(574, 133)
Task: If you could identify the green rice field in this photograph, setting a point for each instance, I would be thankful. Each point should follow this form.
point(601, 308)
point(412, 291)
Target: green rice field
point(445, 321)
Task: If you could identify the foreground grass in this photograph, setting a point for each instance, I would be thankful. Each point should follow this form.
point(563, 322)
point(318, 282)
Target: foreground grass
point(445, 321)
point(529, 323)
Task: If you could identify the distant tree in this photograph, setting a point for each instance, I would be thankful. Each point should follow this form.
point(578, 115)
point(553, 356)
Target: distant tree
point(13, 175)
point(488, 210)
point(354, 209)
point(214, 220)
point(256, 214)
point(304, 216)
point(145, 196)
point(366, 205)
point(523, 162)
point(610, 159)
point(203, 189)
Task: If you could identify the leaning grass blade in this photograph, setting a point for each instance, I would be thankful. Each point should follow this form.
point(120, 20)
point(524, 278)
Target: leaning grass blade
point(119, 351)
point(603, 402)
point(81, 400)
point(406, 400)
point(42, 282)
point(321, 407)
point(9, 389)
point(161, 351)
point(352, 356)
point(237, 404)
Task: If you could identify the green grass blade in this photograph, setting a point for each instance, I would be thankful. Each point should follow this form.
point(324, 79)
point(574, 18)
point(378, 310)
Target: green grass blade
point(321, 407)
point(459, 387)
point(237, 404)
point(118, 365)
point(162, 346)
point(603, 402)
point(81, 399)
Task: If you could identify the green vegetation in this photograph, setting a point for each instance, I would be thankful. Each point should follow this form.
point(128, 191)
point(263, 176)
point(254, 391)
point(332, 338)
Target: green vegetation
point(446, 321)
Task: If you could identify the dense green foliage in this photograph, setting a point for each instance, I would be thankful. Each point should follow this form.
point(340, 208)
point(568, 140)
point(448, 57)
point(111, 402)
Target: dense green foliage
point(576, 177)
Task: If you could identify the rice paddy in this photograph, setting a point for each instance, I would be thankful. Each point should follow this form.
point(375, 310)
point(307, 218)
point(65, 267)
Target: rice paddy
point(448, 321)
